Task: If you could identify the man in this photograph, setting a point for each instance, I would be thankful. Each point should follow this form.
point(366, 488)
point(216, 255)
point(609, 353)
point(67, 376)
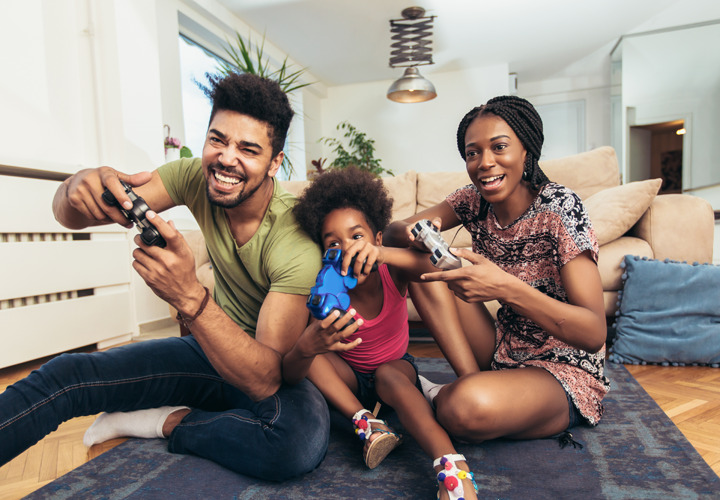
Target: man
point(217, 393)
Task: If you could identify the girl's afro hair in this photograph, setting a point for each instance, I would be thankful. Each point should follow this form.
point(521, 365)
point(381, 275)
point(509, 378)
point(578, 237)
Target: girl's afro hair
point(348, 187)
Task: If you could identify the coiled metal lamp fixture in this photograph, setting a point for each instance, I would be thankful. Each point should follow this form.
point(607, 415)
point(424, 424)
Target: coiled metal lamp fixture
point(411, 48)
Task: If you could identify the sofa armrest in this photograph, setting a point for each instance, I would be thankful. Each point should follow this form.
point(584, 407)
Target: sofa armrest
point(678, 227)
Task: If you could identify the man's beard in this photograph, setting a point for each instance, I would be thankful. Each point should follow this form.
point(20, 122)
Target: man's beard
point(224, 202)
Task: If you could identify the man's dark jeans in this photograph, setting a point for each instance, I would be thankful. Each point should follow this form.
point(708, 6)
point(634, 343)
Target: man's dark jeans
point(277, 438)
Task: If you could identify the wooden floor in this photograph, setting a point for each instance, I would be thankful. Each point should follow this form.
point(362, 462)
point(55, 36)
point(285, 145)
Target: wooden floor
point(690, 396)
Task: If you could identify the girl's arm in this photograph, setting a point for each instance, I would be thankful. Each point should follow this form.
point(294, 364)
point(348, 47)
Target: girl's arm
point(398, 234)
point(579, 323)
point(318, 338)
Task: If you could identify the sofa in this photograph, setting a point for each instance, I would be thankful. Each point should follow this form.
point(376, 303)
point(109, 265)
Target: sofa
point(629, 219)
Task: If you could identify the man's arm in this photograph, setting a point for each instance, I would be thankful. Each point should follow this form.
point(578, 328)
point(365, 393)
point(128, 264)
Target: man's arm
point(253, 365)
point(78, 201)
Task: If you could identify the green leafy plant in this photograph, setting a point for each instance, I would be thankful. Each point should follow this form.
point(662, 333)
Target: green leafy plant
point(246, 57)
point(360, 150)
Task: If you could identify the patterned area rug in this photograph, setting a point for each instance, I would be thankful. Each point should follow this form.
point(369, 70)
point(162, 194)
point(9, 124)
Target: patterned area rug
point(636, 452)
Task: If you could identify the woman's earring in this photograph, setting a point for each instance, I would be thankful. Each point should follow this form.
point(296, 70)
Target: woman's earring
point(527, 167)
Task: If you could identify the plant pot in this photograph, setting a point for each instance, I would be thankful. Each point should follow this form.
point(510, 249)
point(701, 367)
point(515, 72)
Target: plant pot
point(172, 154)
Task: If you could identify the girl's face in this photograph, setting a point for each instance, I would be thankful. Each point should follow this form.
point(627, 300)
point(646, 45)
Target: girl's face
point(495, 160)
point(343, 226)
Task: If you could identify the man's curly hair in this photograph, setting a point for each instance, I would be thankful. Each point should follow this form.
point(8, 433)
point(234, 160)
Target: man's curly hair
point(255, 96)
point(348, 187)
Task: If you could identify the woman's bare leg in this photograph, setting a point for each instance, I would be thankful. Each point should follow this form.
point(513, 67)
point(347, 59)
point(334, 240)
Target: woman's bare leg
point(479, 327)
point(437, 307)
point(523, 403)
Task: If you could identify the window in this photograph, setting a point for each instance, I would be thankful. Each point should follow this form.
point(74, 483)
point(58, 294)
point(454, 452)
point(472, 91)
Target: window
point(195, 62)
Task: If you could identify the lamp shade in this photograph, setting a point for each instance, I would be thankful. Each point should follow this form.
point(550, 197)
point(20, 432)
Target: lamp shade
point(412, 87)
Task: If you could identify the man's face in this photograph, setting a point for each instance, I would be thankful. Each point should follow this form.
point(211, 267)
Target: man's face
point(237, 158)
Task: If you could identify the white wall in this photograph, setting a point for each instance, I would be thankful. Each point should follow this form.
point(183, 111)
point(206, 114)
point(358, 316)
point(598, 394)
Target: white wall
point(672, 75)
point(46, 89)
point(96, 80)
point(418, 136)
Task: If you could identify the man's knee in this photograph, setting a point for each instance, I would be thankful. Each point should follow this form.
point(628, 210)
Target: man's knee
point(304, 442)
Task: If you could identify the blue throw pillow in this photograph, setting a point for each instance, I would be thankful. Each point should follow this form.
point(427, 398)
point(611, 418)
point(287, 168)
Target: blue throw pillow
point(669, 313)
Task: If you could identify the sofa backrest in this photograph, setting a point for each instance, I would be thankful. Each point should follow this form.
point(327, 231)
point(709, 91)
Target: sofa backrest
point(585, 173)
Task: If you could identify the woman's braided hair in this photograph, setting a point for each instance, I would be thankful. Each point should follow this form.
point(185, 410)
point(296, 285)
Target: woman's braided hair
point(525, 121)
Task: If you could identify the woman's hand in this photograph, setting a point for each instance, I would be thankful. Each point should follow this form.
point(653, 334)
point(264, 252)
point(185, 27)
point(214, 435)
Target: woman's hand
point(480, 282)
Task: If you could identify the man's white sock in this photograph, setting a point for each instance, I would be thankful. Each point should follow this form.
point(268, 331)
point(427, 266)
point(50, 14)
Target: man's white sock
point(141, 423)
point(430, 389)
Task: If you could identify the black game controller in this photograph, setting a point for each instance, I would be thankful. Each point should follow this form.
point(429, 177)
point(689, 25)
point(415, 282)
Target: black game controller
point(330, 290)
point(148, 234)
point(440, 255)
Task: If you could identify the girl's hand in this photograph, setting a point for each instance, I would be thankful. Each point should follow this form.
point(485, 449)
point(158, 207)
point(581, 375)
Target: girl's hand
point(329, 334)
point(366, 254)
point(480, 282)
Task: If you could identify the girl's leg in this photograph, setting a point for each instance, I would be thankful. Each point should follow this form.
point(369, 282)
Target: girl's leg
point(522, 403)
point(395, 384)
point(337, 382)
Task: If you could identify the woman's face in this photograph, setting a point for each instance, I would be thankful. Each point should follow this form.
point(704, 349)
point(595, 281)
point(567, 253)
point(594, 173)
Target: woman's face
point(495, 161)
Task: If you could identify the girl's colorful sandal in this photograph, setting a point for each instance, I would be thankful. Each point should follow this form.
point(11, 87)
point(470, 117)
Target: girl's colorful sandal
point(381, 446)
point(451, 477)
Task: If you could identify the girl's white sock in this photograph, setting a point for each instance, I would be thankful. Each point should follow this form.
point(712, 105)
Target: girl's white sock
point(430, 389)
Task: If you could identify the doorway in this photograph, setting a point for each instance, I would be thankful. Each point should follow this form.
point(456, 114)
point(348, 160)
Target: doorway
point(656, 151)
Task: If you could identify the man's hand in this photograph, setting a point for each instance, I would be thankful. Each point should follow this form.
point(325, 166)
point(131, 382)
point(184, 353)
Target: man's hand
point(169, 271)
point(78, 202)
point(480, 282)
point(329, 334)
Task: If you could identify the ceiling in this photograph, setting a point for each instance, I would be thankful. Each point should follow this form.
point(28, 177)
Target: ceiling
point(348, 41)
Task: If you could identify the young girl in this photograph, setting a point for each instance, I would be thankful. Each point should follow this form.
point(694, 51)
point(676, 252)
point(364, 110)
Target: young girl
point(355, 365)
point(534, 251)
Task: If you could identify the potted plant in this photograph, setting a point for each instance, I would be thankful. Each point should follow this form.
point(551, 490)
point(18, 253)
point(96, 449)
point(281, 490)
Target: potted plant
point(174, 150)
point(243, 57)
point(360, 150)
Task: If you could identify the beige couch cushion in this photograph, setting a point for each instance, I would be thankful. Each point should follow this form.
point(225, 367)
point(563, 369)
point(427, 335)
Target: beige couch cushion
point(585, 173)
point(615, 210)
point(403, 190)
point(678, 227)
point(434, 187)
point(294, 187)
point(611, 255)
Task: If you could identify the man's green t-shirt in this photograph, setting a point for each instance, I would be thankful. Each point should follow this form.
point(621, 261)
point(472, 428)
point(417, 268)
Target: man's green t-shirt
point(280, 257)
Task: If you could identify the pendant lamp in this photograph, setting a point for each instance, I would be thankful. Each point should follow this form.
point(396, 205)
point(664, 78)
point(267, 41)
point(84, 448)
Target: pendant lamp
point(411, 48)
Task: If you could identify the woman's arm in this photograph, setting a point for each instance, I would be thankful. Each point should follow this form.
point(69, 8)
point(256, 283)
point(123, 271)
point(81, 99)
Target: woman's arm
point(580, 323)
